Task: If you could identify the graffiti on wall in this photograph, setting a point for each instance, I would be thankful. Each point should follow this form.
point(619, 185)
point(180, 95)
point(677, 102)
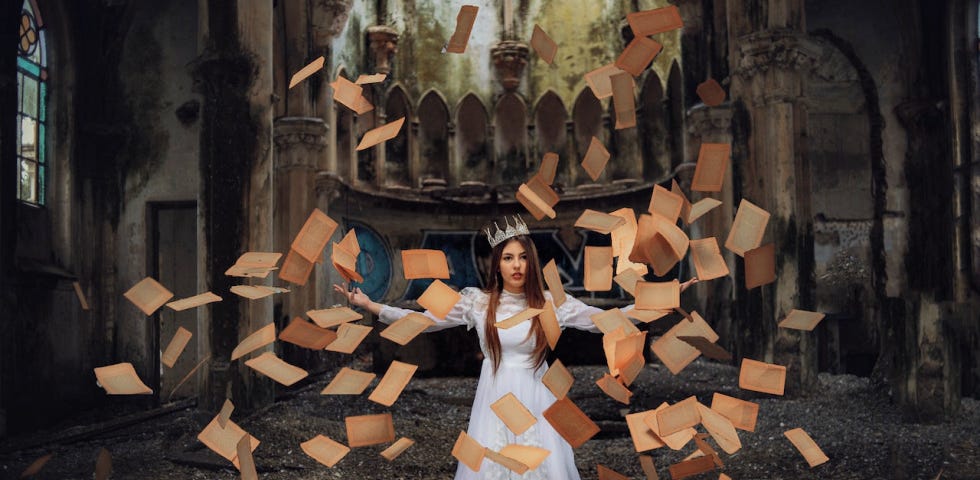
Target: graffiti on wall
point(374, 261)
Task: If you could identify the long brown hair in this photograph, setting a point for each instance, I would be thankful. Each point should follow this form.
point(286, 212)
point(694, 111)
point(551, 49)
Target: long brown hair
point(533, 292)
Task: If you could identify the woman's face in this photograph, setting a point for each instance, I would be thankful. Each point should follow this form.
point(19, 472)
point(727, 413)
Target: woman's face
point(513, 266)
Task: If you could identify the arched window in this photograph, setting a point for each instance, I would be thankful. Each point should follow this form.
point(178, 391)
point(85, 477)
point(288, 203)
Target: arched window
point(471, 141)
point(587, 115)
point(434, 137)
point(32, 76)
point(550, 119)
point(398, 171)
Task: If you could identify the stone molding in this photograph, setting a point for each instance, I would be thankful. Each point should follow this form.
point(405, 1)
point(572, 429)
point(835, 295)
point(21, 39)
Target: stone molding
point(329, 19)
point(384, 45)
point(299, 140)
point(784, 50)
point(703, 121)
point(509, 59)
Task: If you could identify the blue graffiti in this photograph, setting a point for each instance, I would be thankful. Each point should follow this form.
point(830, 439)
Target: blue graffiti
point(374, 262)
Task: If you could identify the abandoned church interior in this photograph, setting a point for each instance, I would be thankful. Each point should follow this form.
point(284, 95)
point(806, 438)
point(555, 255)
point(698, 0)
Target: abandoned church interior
point(165, 139)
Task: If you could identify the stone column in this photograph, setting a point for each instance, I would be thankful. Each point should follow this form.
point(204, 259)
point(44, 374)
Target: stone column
point(713, 125)
point(928, 357)
point(769, 63)
point(693, 48)
point(300, 142)
point(233, 73)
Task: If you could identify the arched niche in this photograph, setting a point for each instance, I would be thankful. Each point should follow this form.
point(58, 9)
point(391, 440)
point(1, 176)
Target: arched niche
point(433, 137)
point(397, 166)
point(675, 115)
point(367, 164)
point(510, 140)
point(587, 117)
point(550, 118)
point(839, 150)
point(345, 138)
point(652, 124)
point(471, 141)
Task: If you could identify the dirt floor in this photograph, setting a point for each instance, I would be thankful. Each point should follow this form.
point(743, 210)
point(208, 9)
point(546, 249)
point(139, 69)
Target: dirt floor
point(855, 425)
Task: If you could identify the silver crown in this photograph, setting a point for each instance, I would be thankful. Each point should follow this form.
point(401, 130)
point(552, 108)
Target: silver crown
point(519, 228)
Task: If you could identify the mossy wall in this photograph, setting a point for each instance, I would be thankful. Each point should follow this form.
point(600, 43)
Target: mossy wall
point(587, 33)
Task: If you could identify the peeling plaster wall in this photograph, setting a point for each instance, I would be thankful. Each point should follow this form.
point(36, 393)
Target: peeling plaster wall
point(875, 29)
point(162, 154)
point(588, 35)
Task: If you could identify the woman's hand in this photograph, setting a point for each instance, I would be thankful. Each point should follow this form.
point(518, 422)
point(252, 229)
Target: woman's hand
point(356, 297)
point(688, 283)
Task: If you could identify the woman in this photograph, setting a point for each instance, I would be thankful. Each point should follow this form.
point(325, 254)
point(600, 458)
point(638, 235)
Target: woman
point(514, 358)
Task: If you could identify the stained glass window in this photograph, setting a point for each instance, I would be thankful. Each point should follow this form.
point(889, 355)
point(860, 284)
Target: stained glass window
point(32, 76)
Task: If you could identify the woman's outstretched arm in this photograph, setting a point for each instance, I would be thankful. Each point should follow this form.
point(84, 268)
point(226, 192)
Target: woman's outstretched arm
point(357, 298)
point(459, 315)
point(575, 314)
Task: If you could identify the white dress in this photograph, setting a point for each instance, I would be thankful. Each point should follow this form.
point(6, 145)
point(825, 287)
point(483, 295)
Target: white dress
point(513, 376)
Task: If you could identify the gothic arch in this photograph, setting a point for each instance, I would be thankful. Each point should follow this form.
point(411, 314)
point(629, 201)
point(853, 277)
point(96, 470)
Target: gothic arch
point(510, 140)
point(433, 136)
point(344, 121)
point(550, 120)
point(473, 151)
point(367, 159)
point(652, 124)
point(398, 166)
point(847, 202)
point(587, 118)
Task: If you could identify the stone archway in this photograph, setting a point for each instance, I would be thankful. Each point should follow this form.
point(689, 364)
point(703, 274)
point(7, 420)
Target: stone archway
point(842, 165)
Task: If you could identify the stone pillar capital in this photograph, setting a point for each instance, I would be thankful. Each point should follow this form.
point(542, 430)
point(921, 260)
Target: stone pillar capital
point(329, 19)
point(328, 185)
point(384, 44)
point(710, 122)
point(299, 140)
point(509, 60)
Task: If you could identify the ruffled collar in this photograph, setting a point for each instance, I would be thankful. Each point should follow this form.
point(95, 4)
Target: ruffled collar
point(505, 293)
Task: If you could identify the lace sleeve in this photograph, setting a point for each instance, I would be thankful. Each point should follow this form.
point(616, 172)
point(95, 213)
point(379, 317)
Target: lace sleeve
point(462, 313)
point(575, 314)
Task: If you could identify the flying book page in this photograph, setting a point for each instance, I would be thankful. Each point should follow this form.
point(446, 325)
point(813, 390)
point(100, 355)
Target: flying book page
point(349, 336)
point(277, 369)
point(307, 335)
point(599, 222)
point(469, 452)
point(439, 299)
point(397, 448)
point(513, 413)
point(741, 413)
point(331, 317)
point(570, 422)
point(348, 382)
point(709, 174)
point(392, 383)
point(407, 328)
point(305, 72)
point(595, 159)
point(422, 263)
point(515, 320)
point(665, 203)
point(624, 103)
point(255, 341)
point(643, 437)
point(121, 379)
point(658, 295)
point(535, 205)
point(545, 47)
point(638, 55)
point(652, 22)
point(365, 430)
point(806, 446)
point(313, 236)
point(708, 261)
point(325, 450)
point(175, 347)
point(801, 320)
point(598, 269)
point(711, 93)
point(760, 266)
point(677, 417)
point(148, 295)
point(599, 80)
point(464, 26)
point(195, 301)
point(721, 429)
point(381, 134)
point(553, 280)
point(762, 377)
point(747, 229)
point(558, 379)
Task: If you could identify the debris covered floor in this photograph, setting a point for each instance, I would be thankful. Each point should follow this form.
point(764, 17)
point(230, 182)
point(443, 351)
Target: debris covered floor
point(853, 422)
